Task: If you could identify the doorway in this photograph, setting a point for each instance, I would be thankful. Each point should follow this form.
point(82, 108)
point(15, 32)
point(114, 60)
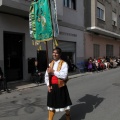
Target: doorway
point(13, 56)
point(42, 60)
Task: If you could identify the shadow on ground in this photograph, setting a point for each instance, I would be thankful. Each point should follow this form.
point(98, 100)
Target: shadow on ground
point(86, 105)
point(14, 85)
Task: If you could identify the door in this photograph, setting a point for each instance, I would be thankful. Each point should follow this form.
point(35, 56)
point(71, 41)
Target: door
point(42, 60)
point(13, 56)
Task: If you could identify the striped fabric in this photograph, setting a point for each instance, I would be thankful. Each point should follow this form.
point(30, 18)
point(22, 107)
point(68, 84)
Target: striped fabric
point(54, 17)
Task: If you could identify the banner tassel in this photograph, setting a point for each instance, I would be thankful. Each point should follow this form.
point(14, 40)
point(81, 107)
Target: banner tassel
point(39, 47)
point(56, 42)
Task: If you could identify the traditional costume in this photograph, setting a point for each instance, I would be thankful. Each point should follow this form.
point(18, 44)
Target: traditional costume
point(58, 99)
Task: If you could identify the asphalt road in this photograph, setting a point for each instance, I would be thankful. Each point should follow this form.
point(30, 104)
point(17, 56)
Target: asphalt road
point(95, 97)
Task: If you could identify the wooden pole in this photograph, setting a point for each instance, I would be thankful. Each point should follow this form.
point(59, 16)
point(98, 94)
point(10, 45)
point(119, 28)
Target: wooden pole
point(48, 62)
point(47, 54)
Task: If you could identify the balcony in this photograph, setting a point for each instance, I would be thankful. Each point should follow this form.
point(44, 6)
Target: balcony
point(21, 7)
point(15, 7)
point(101, 31)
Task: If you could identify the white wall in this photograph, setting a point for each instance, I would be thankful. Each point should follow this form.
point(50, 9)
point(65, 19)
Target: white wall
point(75, 17)
point(78, 39)
point(59, 4)
point(16, 24)
point(73, 23)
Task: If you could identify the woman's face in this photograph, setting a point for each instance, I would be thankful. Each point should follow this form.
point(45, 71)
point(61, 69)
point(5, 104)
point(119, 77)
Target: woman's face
point(56, 55)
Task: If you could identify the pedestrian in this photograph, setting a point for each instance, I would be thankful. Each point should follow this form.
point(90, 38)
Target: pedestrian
point(58, 98)
point(36, 74)
point(69, 62)
point(3, 82)
point(1, 73)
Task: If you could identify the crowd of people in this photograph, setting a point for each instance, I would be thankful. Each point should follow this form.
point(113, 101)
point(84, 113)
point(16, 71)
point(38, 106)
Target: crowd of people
point(102, 63)
point(93, 64)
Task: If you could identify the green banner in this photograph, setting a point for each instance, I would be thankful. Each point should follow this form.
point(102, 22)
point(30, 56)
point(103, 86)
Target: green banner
point(40, 21)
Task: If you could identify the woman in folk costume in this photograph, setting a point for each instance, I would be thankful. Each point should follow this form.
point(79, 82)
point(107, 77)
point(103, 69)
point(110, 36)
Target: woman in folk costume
point(58, 99)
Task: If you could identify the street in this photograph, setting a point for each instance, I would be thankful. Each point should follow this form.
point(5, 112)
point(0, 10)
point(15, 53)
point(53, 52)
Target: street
point(95, 97)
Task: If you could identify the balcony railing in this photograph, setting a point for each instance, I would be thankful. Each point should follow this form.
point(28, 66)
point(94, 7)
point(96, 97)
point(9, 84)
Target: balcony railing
point(21, 7)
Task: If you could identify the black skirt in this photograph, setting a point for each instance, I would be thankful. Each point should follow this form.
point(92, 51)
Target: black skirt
point(58, 99)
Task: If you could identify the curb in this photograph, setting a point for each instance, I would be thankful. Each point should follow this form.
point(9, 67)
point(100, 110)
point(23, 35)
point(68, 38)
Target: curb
point(31, 85)
point(78, 75)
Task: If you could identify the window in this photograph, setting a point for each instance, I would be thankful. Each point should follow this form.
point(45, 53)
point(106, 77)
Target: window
point(41, 56)
point(100, 11)
point(70, 4)
point(96, 50)
point(114, 19)
point(109, 50)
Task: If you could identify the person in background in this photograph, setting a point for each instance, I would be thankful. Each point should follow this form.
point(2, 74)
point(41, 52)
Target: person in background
point(3, 83)
point(36, 74)
point(95, 64)
point(90, 66)
point(58, 98)
point(69, 62)
point(1, 73)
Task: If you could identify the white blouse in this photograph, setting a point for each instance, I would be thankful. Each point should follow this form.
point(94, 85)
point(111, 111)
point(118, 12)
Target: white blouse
point(59, 74)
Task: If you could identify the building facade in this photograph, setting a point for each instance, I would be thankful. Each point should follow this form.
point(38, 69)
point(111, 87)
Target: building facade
point(102, 33)
point(16, 49)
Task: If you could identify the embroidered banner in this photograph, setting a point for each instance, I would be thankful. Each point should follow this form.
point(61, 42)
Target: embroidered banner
point(40, 21)
point(43, 20)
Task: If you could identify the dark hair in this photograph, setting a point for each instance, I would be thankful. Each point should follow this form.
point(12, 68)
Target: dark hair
point(58, 50)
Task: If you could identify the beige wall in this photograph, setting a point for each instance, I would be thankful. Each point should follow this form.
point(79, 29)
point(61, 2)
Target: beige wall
point(91, 39)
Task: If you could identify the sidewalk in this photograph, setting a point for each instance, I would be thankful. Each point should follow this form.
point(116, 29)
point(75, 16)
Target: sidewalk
point(20, 85)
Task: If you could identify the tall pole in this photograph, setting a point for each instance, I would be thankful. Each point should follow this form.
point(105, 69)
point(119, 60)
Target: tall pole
point(48, 62)
point(47, 54)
